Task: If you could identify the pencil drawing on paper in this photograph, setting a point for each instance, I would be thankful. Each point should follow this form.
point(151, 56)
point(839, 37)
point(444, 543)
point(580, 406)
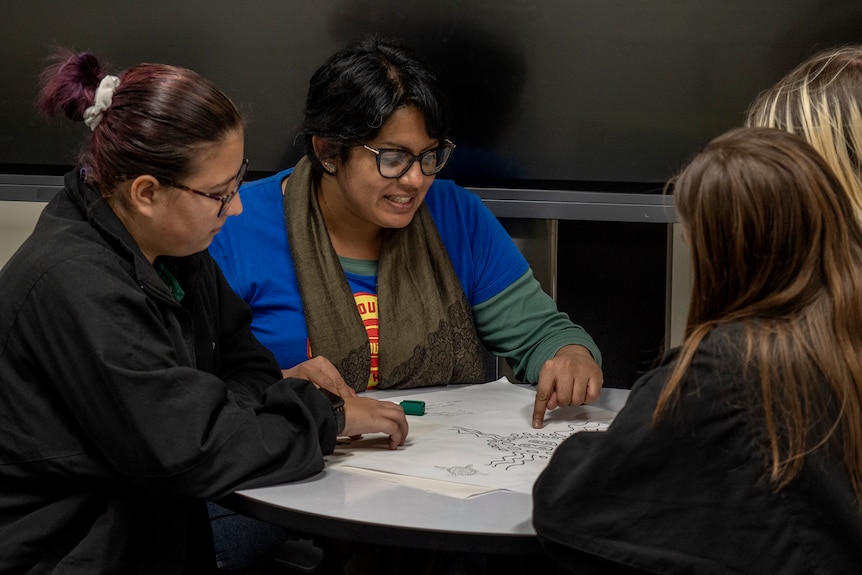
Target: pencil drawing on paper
point(479, 437)
point(460, 471)
point(523, 447)
point(448, 409)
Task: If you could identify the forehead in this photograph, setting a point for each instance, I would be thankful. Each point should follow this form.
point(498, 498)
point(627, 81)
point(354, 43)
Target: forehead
point(405, 128)
point(217, 162)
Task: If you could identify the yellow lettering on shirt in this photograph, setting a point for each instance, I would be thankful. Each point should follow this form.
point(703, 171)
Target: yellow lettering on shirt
point(366, 304)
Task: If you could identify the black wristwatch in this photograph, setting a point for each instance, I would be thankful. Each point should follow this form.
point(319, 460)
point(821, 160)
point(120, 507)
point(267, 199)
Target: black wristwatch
point(337, 403)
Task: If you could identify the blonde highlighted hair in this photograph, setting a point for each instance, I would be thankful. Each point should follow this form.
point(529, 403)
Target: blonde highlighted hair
point(821, 100)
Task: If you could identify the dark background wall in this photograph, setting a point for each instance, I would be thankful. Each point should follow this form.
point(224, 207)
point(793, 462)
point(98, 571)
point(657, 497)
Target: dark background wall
point(617, 91)
point(612, 279)
point(603, 95)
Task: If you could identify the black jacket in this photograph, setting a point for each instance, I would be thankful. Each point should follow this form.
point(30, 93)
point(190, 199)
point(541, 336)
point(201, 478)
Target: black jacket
point(122, 409)
point(690, 496)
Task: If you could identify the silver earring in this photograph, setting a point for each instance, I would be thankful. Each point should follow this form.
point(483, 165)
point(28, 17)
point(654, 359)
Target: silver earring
point(329, 167)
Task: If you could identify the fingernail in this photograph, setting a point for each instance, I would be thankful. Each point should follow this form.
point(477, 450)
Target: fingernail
point(537, 423)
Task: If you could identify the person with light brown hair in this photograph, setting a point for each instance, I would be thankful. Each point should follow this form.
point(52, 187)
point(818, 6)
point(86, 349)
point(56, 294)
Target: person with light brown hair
point(742, 452)
point(821, 100)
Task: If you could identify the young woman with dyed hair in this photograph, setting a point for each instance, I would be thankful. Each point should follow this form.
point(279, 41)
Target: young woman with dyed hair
point(821, 101)
point(132, 387)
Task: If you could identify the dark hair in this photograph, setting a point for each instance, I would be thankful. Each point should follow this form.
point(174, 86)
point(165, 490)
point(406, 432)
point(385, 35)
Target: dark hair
point(158, 119)
point(776, 247)
point(353, 94)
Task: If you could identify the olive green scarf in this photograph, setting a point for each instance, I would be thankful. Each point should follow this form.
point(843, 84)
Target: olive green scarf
point(426, 331)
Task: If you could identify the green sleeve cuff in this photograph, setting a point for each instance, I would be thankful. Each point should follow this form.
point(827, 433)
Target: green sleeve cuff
point(523, 325)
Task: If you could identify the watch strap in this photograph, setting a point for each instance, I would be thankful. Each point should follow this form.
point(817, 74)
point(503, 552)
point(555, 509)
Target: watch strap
point(337, 404)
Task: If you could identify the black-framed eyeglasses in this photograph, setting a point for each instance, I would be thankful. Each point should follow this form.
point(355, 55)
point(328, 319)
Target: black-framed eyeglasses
point(393, 163)
point(223, 198)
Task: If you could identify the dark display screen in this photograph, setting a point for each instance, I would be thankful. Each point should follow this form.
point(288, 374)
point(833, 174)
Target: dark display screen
point(568, 94)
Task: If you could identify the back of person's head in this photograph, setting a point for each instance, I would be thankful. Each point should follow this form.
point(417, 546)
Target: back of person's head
point(768, 224)
point(355, 92)
point(154, 121)
point(777, 249)
point(821, 100)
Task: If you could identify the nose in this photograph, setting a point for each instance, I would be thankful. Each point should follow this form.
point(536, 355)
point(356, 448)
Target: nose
point(413, 176)
point(234, 208)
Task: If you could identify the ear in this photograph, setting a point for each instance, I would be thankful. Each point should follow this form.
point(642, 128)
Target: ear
point(144, 195)
point(320, 145)
point(321, 150)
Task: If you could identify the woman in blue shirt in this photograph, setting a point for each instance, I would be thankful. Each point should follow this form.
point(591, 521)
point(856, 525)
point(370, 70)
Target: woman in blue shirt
point(363, 270)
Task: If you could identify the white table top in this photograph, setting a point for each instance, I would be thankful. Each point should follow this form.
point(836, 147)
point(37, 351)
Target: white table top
point(348, 506)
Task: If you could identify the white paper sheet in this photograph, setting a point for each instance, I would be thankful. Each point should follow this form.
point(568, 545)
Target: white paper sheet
point(478, 438)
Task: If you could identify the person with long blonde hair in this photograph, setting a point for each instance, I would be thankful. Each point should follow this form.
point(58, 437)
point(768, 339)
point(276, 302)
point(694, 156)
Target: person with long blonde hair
point(821, 100)
point(742, 452)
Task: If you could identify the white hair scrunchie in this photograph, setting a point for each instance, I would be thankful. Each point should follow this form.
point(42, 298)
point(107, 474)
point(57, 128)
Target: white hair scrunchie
point(102, 101)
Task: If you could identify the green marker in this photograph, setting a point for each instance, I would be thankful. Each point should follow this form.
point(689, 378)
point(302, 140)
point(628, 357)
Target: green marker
point(412, 407)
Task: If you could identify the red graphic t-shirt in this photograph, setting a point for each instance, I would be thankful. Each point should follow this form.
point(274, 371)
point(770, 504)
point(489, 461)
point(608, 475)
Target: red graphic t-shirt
point(366, 304)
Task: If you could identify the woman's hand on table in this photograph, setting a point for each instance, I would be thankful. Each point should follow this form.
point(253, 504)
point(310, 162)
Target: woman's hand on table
point(571, 377)
point(320, 371)
point(365, 415)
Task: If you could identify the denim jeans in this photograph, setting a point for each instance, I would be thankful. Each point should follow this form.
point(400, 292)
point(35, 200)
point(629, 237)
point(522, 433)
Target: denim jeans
point(242, 542)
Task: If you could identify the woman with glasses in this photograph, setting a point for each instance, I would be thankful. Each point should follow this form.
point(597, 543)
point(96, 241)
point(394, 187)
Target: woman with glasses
point(132, 386)
point(742, 452)
point(388, 276)
point(363, 270)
